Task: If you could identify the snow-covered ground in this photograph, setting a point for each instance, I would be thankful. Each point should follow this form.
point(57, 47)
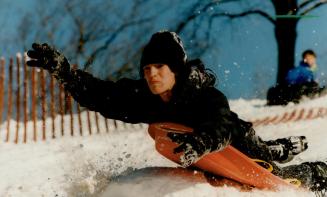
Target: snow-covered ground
point(85, 165)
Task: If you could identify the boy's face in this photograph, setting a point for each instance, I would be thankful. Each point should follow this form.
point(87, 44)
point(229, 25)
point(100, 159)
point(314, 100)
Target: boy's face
point(159, 78)
point(310, 60)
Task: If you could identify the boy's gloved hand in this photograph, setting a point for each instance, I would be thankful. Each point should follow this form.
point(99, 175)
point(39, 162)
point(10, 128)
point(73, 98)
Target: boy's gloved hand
point(193, 147)
point(284, 149)
point(297, 144)
point(47, 57)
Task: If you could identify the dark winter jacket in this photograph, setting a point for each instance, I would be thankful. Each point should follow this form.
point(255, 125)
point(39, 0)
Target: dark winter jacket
point(300, 75)
point(195, 103)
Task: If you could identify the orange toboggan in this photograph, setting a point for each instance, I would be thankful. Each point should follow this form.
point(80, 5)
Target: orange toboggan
point(229, 163)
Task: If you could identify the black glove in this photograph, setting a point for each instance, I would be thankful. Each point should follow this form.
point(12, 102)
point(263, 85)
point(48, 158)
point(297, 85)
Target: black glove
point(295, 144)
point(193, 146)
point(284, 149)
point(48, 58)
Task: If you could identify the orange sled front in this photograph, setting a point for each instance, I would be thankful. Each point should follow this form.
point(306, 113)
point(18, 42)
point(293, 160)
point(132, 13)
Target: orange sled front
point(229, 163)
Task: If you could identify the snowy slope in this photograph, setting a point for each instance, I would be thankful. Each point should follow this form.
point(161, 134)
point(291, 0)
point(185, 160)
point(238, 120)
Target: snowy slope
point(85, 166)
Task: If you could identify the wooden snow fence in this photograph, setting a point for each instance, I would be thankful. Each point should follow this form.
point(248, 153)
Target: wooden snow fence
point(34, 107)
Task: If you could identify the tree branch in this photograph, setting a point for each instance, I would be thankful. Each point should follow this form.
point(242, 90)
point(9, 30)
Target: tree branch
point(110, 40)
point(316, 5)
point(81, 37)
point(194, 12)
point(246, 13)
point(305, 3)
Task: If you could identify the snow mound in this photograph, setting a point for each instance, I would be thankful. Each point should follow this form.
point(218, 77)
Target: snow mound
point(89, 165)
point(144, 182)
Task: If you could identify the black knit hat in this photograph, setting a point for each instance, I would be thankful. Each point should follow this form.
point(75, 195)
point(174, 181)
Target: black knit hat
point(166, 48)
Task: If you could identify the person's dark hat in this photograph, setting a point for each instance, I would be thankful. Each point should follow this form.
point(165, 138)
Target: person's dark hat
point(164, 47)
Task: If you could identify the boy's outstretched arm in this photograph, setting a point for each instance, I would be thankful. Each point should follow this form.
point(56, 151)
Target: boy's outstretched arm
point(106, 97)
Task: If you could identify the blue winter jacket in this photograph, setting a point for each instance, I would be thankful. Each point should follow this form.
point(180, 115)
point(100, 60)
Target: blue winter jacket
point(300, 74)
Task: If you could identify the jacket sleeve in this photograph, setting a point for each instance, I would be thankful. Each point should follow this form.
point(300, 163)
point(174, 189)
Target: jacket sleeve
point(112, 99)
point(219, 126)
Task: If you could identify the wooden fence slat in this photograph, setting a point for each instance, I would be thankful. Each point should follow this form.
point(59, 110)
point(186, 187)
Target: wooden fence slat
point(2, 81)
point(33, 95)
point(43, 108)
point(97, 121)
point(115, 124)
point(52, 103)
point(69, 108)
point(89, 121)
point(18, 59)
point(79, 119)
point(25, 99)
point(61, 108)
point(9, 98)
point(106, 124)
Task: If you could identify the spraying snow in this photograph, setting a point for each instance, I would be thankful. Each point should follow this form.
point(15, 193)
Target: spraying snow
point(89, 165)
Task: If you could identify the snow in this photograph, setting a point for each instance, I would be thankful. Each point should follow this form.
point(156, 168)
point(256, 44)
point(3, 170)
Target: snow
point(87, 165)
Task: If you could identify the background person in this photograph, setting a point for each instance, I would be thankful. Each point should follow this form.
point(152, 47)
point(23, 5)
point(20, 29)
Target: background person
point(304, 73)
point(300, 81)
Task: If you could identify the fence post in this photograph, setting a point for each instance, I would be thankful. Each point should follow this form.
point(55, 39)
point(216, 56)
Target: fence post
point(61, 108)
point(106, 124)
point(18, 59)
point(74, 67)
point(97, 122)
point(34, 112)
point(52, 101)
point(2, 80)
point(89, 121)
point(43, 109)
point(25, 98)
point(79, 119)
point(9, 98)
point(69, 108)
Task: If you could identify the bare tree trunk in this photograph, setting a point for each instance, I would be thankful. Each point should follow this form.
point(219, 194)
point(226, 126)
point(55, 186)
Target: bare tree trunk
point(285, 32)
